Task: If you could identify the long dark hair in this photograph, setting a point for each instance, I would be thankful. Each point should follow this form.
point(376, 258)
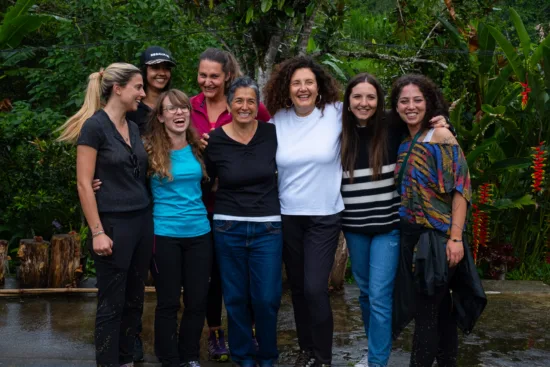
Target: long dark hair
point(276, 90)
point(435, 102)
point(350, 138)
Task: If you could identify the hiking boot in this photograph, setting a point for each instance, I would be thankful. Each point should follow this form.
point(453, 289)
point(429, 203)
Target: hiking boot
point(217, 350)
point(137, 354)
point(304, 359)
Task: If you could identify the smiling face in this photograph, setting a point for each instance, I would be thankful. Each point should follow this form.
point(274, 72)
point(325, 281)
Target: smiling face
point(158, 75)
point(411, 105)
point(211, 79)
point(244, 106)
point(132, 93)
point(303, 91)
point(363, 101)
point(175, 117)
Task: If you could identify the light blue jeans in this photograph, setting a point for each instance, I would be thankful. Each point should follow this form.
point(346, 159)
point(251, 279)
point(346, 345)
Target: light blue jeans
point(374, 264)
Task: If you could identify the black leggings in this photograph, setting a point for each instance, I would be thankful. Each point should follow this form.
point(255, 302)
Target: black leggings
point(121, 281)
point(435, 333)
point(180, 262)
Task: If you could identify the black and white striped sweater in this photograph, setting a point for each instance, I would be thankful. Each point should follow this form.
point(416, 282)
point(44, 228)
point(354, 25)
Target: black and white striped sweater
point(372, 207)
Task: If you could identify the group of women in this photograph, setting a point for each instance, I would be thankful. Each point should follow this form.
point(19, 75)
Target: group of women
point(273, 192)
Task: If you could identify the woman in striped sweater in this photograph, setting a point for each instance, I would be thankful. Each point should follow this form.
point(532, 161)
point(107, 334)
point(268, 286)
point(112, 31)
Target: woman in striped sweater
point(370, 141)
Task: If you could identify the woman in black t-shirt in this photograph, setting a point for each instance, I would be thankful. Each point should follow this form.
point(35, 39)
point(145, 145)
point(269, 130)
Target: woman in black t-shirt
point(247, 224)
point(119, 215)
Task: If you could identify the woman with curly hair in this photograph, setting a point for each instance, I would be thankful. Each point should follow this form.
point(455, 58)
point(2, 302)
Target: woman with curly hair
point(303, 100)
point(433, 182)
point(182, 250)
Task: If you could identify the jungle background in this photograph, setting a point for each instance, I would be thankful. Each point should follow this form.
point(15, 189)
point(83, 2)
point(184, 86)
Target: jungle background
point(490, 57)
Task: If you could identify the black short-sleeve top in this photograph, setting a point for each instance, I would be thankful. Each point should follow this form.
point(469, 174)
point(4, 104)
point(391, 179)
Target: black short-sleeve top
point(121, 168)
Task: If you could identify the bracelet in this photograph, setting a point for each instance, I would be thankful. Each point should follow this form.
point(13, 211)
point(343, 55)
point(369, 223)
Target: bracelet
point(456, 240)
point(94, 235)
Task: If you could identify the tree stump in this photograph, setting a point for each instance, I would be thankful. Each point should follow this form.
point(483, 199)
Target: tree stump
point(3, 260)
point(34, 256)
point(64, 260)
point(338, 273)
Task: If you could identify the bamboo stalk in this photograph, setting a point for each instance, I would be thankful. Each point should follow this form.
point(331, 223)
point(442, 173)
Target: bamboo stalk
point(38, 291)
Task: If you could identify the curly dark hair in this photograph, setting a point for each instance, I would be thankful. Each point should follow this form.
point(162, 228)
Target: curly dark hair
point(435, 102)
point(276, 90)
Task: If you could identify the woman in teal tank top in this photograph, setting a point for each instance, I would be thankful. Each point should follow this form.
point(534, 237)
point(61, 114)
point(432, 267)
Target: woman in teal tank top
point(182, 250)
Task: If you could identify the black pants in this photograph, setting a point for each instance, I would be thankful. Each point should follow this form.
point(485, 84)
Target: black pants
point(180, 262)
point(309, 246)
point(214, 309)
point(121, 281)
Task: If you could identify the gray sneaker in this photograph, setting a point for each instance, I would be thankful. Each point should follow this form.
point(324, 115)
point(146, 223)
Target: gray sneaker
point(190, 364)
point(364, 362)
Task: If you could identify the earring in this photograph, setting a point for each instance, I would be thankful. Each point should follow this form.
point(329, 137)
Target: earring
point(287, 105)
point(349, 109)
point(320, 98)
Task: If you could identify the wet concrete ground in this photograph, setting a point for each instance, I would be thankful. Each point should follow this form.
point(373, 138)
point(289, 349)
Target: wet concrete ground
point(58, 330)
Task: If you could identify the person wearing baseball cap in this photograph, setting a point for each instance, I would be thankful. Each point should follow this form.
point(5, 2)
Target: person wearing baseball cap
point(156, 65)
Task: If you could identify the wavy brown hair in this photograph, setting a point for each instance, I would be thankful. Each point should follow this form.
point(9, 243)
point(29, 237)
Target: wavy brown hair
point(157, 142)
point(277, 88)
point(435, 102)
point(377, 124)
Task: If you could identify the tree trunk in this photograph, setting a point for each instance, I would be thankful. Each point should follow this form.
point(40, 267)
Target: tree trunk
point(34, 263)
point(64, 261)
point(303, 37)
point(338, 273)
point(3, 260)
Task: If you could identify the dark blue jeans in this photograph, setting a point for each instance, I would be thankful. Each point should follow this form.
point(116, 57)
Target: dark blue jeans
point(250, 259)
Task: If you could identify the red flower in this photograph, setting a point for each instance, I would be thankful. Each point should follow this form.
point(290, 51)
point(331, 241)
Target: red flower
point(525, 94)
point(481, 218)
point(539, 157)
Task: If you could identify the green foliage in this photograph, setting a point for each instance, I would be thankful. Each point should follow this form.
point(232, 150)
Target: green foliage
point(38, 175)
point(531, 270)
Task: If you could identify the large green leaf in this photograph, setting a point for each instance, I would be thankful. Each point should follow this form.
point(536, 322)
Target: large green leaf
point(472, 156)
point(522, 33)
point(20, 8)
point(13, 31)
point(266, 5)
point(546, 59)
point(486, 49)
point(537, 55)
point(509, 51)
point(519, 203)
point(455, 35)
point(498, 85)
point(511, 164)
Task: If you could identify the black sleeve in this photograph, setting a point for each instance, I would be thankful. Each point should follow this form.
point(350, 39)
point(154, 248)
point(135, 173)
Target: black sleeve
point(91, 134)
point(210, 169)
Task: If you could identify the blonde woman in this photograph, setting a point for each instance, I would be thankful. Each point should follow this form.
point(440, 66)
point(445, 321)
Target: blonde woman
point(182, 251)
point(119, 215)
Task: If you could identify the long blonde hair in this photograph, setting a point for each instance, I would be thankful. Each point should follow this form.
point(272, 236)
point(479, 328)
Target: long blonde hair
point(100, 87)
point(158, 143)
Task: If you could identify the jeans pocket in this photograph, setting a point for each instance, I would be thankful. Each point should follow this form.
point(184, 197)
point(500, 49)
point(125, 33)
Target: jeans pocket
point(274, 227)
point(222, 225)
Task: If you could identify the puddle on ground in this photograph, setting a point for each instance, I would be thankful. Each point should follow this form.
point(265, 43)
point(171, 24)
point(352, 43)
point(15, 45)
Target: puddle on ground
point(513, 330)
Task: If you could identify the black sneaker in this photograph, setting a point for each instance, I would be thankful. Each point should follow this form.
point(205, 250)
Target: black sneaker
point(304, 359)
point(138, 349)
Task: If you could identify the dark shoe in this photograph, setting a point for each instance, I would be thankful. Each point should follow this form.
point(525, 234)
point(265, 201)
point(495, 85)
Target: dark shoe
point(304, 359)
point(217, 350)
point(190, 364)
point(138, 349)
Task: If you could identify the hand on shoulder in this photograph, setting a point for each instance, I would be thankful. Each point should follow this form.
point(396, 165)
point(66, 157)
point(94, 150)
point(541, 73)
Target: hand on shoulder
point(444, 136)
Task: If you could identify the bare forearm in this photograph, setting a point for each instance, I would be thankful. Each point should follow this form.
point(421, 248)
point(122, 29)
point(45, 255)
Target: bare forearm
point(89, 206)
point(458, 215)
